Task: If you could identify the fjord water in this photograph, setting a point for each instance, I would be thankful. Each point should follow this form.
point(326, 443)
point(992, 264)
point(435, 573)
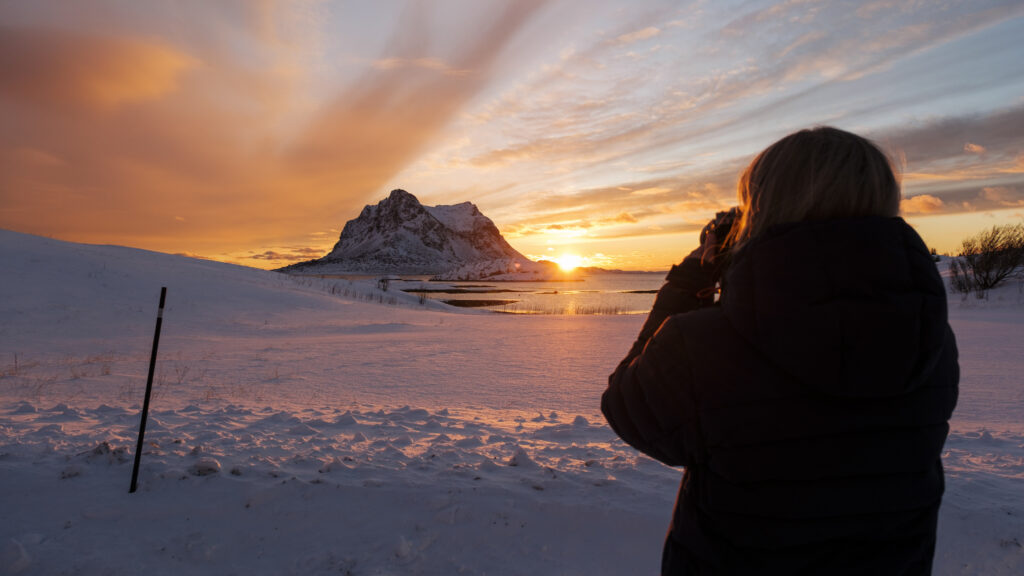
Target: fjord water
point(608, 293)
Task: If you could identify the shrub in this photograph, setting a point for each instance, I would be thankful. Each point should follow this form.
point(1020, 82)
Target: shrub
point(988, 258)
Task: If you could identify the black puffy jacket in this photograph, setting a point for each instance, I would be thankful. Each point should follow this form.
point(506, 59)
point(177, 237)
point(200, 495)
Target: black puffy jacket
point(809, 406)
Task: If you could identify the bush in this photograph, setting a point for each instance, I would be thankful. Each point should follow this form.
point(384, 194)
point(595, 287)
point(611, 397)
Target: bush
point(988, 258)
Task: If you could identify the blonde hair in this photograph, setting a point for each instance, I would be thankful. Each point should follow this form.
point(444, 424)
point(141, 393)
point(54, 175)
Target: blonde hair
point(817, 174)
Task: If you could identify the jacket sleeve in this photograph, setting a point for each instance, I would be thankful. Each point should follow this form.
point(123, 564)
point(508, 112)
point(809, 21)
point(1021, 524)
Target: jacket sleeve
point(649, 400)
point(679, 294)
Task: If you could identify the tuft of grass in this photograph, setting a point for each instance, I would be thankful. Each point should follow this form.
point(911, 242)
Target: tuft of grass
point(597, 310)
point(346, 289)
point(17, 368)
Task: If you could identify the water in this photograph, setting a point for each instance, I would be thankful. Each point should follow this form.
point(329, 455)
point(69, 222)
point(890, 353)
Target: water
point(600, 293)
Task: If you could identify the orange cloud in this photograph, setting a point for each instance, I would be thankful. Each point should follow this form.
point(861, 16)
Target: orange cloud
point(678, 205)
point(974, 148)
point(923, 204)
point(58, 67)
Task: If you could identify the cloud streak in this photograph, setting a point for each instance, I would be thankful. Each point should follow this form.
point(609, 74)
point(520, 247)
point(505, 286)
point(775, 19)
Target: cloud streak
point(637, 36)
point(156, 140)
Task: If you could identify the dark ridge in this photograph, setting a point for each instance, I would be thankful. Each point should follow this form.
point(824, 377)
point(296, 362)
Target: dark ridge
point(477, 303)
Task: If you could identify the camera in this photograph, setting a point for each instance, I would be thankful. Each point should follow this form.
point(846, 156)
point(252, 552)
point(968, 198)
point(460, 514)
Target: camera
point(720, 226)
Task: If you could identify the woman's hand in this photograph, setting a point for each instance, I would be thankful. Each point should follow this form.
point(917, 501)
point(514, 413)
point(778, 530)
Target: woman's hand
point(691, 283)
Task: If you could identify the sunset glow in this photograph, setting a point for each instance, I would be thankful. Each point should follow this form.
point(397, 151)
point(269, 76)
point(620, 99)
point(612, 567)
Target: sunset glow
point(252, 132)
point(569, 262)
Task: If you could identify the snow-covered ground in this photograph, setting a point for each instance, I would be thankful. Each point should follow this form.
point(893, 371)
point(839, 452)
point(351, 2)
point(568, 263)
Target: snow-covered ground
point(303, 426)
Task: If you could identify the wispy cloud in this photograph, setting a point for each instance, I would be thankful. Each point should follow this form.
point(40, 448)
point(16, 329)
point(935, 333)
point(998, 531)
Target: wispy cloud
point(1006, 196)
point(435, 64)
point(944, 138)
point(965, 177)
point(815, 48)
point(637, 36)
point(292, 255)
point(641, 208)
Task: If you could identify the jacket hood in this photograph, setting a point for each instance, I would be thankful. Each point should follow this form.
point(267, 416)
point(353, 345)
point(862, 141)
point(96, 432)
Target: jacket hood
point(853, 307)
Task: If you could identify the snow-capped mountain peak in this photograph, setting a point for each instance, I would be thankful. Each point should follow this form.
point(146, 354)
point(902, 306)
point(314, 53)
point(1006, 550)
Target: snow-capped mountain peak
point(463, 217)
point(400, 235)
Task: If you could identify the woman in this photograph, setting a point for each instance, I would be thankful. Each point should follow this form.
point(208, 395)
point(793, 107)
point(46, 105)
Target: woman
point(810, 404)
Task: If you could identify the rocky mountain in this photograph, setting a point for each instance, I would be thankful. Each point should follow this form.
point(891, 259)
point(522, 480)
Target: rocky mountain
point(399, 235)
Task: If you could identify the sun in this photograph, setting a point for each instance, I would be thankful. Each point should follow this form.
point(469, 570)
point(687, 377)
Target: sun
point(568, 262)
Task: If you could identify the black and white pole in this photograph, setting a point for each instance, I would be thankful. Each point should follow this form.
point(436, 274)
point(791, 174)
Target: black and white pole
point(149, 390)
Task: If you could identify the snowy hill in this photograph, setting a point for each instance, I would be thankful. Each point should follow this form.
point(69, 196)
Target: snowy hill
point(308, 426)
point(401, 236)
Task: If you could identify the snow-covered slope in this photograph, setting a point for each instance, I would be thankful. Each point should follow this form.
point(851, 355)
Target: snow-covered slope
point(302, 426)
point(401, 236)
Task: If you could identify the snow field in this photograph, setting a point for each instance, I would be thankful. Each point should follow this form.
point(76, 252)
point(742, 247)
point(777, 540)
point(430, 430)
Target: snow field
point(296, 431)
point(407, 491)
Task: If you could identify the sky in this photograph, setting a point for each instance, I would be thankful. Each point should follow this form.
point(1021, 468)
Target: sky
point(251, 131)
